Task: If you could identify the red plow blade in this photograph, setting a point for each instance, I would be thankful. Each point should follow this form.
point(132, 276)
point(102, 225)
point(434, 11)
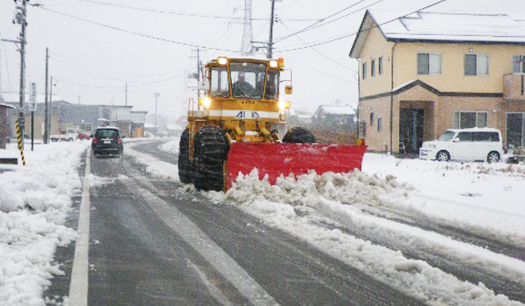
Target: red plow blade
point(275, 159)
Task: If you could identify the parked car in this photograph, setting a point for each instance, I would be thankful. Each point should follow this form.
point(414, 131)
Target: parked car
point(69, 135)
point(465, 144)
point(83, 135)
point(107, 141)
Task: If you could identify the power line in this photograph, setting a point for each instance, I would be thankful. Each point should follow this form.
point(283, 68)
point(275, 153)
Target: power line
point(121, 86)
point(94, 74)
point(323, 72)
point(319, 52)
point(352, 34)
point(138, 34)
point(334, 20)
point(122, 78)
point(320, 21)
point(88, 85)
point(160, 11)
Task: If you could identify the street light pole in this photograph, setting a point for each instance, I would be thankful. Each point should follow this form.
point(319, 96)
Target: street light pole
point(156, 115)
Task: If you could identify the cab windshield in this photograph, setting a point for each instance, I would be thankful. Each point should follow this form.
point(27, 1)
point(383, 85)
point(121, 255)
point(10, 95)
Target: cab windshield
point(248, 79)
point(447, 136)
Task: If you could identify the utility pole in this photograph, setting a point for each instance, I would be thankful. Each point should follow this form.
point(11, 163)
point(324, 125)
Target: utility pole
point(198, 74)
point(270, 41)
point(126, 93)
point(51, 104)
point(46, 132)
point(20, 17)
point(156, 115)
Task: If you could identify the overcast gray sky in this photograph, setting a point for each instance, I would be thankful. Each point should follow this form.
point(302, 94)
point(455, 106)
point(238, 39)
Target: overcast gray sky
point(96, 46)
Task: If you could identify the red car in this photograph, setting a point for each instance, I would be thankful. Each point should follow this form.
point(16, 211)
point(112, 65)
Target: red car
point(83, 135)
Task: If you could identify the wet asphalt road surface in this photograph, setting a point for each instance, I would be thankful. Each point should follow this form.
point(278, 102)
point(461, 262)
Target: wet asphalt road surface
point(153, 244)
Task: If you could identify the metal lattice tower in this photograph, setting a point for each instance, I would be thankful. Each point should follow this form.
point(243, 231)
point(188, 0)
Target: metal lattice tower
point(246, 48)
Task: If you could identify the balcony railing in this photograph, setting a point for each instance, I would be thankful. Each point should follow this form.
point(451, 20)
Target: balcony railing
point(514, 87)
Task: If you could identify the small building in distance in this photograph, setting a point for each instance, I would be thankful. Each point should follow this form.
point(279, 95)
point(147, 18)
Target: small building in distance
point(5, 123)
point(334, 116)
point(138, 119)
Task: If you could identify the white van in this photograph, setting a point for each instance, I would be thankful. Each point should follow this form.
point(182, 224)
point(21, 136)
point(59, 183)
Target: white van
point(465, 144)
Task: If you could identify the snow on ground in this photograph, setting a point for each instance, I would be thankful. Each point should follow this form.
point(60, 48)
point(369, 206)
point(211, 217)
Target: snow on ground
point(153, 165)
point(480, 197)
point(34, 203)
point(478, 194)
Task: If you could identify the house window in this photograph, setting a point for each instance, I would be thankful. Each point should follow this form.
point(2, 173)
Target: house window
point(379, 124)
point(380, 65)
point(518, 64)
point(429, 63)
point(373, 68)
point(465, 120)
point(371, 118)
point(476, 64)
point(365, 66)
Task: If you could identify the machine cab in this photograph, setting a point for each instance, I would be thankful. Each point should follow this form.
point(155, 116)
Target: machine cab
point(244, 78)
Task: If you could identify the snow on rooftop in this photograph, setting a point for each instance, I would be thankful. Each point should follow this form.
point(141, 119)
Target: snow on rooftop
point(336, 110)
point(447, 26)
point(6, 105)
point(15, 97)
point(403, 85)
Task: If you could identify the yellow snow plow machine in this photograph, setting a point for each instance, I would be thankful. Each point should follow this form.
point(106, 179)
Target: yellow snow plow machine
point(236, 128)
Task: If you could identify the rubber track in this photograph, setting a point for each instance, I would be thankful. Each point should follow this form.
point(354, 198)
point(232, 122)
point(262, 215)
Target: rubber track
point(211, 151)
point(184, 163)
point(299, 135)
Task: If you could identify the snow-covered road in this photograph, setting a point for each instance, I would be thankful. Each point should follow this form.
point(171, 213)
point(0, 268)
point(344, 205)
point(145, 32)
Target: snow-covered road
point(449, 233)
point(444, 233)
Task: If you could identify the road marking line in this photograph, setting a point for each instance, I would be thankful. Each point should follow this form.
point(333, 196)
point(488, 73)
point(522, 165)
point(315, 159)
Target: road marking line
point(78, 289)
point(205, 246)
point(214, 290)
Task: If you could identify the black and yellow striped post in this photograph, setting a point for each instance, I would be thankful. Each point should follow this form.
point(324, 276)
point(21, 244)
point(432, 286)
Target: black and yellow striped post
point(20, 145)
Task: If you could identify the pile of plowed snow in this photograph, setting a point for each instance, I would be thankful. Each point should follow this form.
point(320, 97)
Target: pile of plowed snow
point(310, 189)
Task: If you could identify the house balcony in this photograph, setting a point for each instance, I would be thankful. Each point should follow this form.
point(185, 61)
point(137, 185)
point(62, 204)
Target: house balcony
point(514, 87)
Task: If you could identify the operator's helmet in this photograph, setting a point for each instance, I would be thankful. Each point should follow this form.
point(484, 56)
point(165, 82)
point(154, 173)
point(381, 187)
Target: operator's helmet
point(241, 74)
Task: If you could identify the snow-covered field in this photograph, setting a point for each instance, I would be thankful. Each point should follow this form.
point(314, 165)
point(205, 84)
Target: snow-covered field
point(484, 198)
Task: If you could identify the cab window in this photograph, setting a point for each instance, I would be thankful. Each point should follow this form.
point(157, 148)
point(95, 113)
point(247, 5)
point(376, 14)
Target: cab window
point(272, 85)
point(219, 82)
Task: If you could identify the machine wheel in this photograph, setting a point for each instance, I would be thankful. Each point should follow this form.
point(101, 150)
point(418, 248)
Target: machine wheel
point(299, 135)
point(210, 153)
point(184, 163)
point(493, 157)
point(443, 156)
